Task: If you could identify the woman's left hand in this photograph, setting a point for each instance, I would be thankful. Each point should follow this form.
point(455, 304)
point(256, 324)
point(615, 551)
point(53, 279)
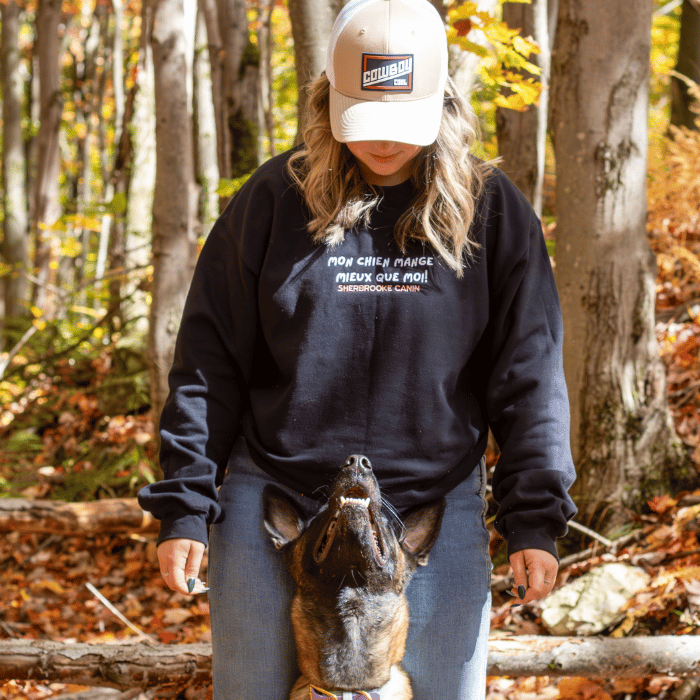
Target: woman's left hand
point(535, 572)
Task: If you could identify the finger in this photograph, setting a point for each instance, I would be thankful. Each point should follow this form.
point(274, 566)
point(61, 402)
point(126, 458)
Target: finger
point(173, 555)
point(179, 582)
point(166, 559)
point(535, 576)
point(542, 570)
point(194, 561)
point(517, 563)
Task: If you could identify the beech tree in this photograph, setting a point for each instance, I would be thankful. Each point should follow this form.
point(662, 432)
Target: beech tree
point(267, 96)
point(239, 90)
point(684, 107)
point(209, 12)
point(175, 196)
point(623, 440)
point(47, 208)
point(15, 243)
point(522, 135)
point(312, 22)
point(206, 156)
point(141, 178)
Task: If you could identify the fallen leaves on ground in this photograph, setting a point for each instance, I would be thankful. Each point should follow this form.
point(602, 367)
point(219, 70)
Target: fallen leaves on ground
point(43, 581)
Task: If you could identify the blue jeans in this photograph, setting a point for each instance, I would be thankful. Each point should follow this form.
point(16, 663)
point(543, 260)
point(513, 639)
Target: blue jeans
point(250, 594)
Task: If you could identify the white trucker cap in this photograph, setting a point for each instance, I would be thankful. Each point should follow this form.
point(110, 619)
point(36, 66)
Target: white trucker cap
point(387, 66)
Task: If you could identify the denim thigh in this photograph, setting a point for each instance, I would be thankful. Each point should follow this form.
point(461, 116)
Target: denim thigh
point(250, 594)
point(449, 601)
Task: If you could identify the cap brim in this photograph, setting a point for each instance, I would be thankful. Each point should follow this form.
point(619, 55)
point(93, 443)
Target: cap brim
point(410, 121)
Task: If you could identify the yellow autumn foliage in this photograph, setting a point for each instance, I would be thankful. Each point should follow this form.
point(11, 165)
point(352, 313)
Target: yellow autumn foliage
point(674, 186)
point(505, 58)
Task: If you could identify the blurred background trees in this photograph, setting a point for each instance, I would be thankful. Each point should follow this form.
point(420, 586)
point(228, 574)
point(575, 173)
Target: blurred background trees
point(127, 125)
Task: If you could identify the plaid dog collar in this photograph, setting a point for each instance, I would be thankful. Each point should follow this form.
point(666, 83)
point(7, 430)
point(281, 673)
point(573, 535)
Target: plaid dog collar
point(320, 694)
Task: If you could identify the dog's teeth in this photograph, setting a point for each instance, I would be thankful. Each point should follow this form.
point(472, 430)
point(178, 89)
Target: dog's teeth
point(364, 502)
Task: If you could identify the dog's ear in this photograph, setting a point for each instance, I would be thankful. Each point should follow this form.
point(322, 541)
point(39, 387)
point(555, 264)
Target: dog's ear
point(284, 520)
point(422, 526)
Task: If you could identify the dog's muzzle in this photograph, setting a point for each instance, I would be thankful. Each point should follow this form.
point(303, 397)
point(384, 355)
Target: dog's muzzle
point(320, 694)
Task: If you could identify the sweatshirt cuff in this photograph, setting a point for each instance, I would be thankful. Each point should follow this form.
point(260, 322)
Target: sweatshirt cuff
point(536, 538)
point(191, 527)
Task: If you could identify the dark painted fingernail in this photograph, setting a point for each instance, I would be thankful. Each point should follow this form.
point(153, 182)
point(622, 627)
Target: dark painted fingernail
point(521, 592)
point(191, 582)
point(511, 594)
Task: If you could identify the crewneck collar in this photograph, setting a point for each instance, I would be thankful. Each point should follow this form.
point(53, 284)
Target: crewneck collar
point(395, 195)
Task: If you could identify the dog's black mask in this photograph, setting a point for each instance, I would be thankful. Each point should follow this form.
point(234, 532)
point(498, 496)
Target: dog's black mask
point(350, 542)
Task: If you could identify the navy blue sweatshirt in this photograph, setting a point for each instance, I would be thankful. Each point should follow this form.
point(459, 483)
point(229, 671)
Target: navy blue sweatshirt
point(314, 353)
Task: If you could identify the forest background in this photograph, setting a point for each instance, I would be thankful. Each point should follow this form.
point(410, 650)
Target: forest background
point(128, 125)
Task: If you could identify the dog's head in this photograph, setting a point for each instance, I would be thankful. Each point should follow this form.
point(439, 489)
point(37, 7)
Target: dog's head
point(351, 542)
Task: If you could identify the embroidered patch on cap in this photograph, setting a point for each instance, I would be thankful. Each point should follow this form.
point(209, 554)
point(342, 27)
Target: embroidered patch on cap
point(387, 72)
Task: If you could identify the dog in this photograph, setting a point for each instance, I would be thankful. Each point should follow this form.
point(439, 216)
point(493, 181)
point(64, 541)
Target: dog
point(351, 565)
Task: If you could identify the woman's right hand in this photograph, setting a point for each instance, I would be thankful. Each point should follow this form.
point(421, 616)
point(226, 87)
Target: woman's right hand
point(180, 560)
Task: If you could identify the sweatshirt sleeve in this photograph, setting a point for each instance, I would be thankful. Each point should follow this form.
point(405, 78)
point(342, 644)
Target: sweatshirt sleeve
point(526, 394)
point(211, 368)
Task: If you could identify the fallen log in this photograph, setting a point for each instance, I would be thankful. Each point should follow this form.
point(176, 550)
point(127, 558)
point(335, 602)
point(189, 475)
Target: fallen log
point(144, 665)
point(98, 693)
point(594, 657)
point(110, 665)
point(89, 518)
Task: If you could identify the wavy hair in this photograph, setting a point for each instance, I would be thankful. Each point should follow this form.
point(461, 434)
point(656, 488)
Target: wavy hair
point(447, 181)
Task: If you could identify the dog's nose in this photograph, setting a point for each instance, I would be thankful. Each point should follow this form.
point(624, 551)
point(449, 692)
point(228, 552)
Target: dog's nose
point(360, 462)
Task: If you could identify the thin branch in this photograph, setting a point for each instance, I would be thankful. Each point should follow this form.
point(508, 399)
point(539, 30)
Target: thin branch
point(591, 533)
point(615, 546)
point(19, 345)
point(116, 612)
point(668, 8)
point(64, 293)
point(112, 311)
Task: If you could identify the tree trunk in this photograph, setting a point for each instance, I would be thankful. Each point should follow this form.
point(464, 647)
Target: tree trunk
point(245, 121)
point(107, 193)
point(87, 80)
point(175, 197)
point(121, 176)
point(90, 518)
point(15, 244)
point(47, 207)
point(32, 146)
point(522, 135)
point(129, 665)
point(688, 65)
point(113, 239)
point(266, 44)
point(141, 184)
point(210, 12)
point(118, 68)
point(312, 22)
point(240, 89)
point(623, 441)
point(206, 153)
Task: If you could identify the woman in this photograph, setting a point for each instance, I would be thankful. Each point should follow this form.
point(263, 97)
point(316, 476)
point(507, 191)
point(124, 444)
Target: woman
point(376, 291)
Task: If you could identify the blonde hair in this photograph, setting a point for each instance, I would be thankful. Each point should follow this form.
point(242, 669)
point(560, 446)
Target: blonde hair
point(446, 179)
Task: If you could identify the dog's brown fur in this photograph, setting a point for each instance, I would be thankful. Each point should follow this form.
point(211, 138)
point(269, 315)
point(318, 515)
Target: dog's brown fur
point(351, 569)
